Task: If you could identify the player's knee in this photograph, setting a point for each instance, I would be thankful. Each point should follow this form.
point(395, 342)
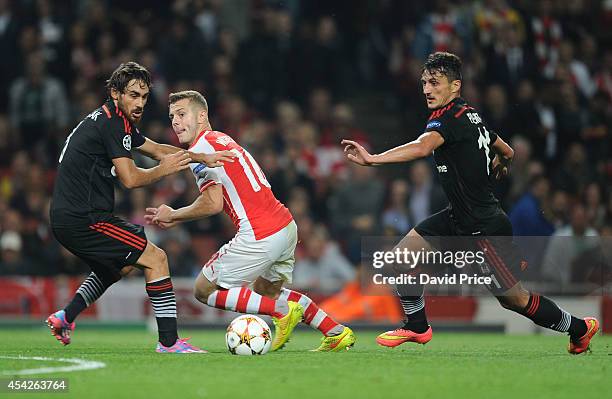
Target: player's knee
point(514, 303)
point(161, 259)
point(266, 288)
point(202, 292)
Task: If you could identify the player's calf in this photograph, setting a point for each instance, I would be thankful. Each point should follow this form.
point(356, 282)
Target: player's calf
point(237, 299)
point(545, 313)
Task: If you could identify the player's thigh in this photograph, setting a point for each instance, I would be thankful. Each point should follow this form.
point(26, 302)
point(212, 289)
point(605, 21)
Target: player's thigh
point(504, 262)
point(282, 251)
point(237, 263)
point(434, 230)
point(106, 248)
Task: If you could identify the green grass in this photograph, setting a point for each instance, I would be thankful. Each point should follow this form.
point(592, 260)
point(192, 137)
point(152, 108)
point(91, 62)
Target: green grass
point(451, 365)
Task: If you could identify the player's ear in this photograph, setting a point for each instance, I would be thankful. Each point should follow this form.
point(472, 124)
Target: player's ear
point(455, 86)
point(114, 94)
point(202, 115)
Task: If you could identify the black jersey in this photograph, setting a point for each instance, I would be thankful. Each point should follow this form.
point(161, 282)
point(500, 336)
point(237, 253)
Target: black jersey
point(464, 163)
point(85, 175)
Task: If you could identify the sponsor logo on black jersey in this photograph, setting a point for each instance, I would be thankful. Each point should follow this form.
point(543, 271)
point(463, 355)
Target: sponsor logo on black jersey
point(433, 124)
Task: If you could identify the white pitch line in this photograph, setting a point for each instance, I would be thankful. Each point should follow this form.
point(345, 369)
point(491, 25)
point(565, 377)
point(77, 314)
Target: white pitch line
point(77, 365)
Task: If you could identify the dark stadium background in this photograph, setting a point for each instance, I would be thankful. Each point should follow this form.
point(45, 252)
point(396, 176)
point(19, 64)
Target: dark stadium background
point(288, 80)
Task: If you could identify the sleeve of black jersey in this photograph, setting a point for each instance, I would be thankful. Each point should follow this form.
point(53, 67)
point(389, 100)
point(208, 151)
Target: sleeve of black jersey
point(117, 142)
point(138, 138)
point(493, 136)
point(442, 125)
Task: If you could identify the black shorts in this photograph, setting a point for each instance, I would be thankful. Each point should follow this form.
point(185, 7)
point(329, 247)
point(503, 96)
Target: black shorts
point(504, 262)
point(105, 242)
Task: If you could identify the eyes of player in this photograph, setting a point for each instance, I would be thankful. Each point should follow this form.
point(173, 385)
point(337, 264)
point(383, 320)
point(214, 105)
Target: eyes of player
point(432, 82)
point(135, 95)
point(180, 115)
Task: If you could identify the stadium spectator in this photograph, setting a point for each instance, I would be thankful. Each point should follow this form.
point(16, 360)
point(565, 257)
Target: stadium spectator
point(426, 198)
point(323, 267)
point(565, 245)
point(354, 208)
point(526, 216)
point(396, 218)
point(38, 106)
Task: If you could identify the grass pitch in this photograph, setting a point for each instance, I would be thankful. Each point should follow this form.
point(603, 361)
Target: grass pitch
point(450, 366)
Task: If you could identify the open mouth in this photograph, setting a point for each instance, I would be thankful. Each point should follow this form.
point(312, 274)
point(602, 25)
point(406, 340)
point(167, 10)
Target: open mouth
point(137, 114)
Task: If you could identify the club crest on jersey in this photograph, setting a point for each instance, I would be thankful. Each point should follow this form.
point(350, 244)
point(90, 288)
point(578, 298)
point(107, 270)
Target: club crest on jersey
point(433, 124)
point(224, 140)
point(127, 142)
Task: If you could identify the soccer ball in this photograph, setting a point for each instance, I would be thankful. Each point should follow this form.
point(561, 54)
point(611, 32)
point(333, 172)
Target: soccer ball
point(248, 335)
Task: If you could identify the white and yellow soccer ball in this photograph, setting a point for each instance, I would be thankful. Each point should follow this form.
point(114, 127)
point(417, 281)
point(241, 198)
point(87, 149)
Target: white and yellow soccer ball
point(248, 335)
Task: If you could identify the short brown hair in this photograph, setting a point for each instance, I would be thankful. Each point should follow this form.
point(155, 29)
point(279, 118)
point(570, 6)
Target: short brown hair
point(191, 95)
point(125, 73)
point(447, 64)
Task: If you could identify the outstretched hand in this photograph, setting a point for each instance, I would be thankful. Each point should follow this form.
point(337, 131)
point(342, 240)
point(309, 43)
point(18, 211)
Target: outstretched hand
point(500, 167)
point(215, 159)
point(355, 152)
point(161, 216)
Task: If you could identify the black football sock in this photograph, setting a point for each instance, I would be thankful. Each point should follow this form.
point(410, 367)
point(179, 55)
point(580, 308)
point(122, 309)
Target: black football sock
point(546, 313)
point(414, 309)
point(163, 300)
point(413, 303)
point(90, 290)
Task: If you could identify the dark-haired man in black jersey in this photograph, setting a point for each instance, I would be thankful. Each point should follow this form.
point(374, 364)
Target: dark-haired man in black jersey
point(96, 155)
point(469, 157)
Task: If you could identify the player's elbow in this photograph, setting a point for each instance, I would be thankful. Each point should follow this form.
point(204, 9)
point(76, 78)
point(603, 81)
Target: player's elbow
point(129, 182)
point(217, 206)
point(423, 150)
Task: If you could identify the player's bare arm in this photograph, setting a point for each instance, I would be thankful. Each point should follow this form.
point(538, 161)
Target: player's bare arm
point(209, 203)
point(132, 176)
point(157, 151)
point(422, 147)
point(503, 157)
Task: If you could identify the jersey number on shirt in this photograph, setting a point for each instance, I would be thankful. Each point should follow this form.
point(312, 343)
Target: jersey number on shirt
point(249, 165)
point(483, 143)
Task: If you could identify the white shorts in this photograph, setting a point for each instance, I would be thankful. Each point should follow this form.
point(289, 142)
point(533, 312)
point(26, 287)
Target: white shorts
point(242, 260)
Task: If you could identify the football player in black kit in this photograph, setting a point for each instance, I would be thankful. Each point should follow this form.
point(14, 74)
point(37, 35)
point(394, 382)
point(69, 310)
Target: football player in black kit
point(96, 154)
point(469, 157)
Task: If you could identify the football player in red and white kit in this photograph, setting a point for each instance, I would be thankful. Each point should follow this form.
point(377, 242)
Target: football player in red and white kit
point(247, 274)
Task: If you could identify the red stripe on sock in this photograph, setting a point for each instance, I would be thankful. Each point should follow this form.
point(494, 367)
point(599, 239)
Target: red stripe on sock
point(267, 306)
point(294, 296)
point(327, 324)
point(167, 286)
point(221, 298)
point(116, 237)
point(535, 304)
point(310, 312)
point(243, 299)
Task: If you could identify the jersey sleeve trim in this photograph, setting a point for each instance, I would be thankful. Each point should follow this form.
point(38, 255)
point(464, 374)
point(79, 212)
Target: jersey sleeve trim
point(207, 184)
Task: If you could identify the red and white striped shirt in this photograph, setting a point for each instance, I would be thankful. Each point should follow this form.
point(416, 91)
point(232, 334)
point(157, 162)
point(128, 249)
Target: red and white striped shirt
point(247, 197)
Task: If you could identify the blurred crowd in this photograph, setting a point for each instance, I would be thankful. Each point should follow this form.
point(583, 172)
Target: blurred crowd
point(285, 78)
